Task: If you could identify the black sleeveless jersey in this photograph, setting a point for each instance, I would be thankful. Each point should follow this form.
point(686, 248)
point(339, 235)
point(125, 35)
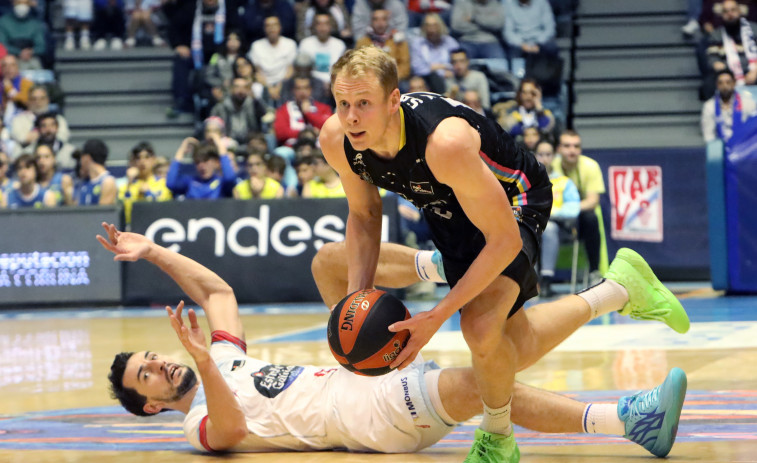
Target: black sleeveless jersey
point(525, 181)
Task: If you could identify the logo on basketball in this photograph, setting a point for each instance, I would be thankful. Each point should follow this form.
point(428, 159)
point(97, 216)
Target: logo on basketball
point(358, 331)
point(349, 317)
point(390, 356)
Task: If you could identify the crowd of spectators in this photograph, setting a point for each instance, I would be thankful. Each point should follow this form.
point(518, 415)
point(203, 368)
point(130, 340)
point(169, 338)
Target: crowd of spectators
point(256, 76)
point(727, 57)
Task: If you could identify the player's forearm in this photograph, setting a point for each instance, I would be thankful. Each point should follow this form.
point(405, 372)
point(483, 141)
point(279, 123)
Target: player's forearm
point(224, 412)
point(197, 281)
point(363, 238)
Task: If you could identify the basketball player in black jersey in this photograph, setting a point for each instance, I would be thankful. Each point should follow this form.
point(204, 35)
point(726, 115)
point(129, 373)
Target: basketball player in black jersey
point(486, 201)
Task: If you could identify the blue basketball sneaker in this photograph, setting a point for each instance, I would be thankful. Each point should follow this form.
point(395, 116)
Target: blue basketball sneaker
point(651, 418)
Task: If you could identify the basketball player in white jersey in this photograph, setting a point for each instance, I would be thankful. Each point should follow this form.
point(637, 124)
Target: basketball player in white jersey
point(242, 404)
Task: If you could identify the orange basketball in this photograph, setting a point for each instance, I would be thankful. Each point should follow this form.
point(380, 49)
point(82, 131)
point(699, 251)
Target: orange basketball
point(358, 331)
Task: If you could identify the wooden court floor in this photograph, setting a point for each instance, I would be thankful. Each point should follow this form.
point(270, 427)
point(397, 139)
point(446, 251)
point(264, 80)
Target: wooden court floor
point(54, 364)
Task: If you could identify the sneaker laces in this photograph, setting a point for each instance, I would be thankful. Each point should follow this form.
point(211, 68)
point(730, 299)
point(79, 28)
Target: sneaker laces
point(486, 450)
point(642, 404)
point(659, 314)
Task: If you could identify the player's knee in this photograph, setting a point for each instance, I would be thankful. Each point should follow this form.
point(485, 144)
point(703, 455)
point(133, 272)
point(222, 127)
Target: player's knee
point(326, 258)
point(481, 333)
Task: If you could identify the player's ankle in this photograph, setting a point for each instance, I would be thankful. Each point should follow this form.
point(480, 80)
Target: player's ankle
point(605, 297)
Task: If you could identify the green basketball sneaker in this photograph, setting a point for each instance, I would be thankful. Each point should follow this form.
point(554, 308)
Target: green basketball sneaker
point(651, 418)
point(648, 299)
point(493, 448)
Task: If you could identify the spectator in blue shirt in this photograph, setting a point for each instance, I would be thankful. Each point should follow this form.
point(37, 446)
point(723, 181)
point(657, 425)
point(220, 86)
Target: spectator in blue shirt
point(206, 183)
point(27, 192)
point(529, 27)
point(97, 186)
point(430, 52)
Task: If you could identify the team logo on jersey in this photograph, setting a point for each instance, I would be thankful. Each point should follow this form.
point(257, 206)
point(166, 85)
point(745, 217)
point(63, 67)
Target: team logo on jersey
point(366, 176)
point(237, 364)
point(423, 188)
point(272, 380)
point(518, 213)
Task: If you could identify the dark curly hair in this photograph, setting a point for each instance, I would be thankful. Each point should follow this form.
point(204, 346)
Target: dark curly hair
point(130, 399)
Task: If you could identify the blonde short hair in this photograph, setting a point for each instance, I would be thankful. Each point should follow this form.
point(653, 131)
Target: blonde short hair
point(361, 61)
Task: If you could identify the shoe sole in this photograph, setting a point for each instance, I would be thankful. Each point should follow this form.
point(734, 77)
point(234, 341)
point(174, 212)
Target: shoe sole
point(678, 319)
point(674, 389)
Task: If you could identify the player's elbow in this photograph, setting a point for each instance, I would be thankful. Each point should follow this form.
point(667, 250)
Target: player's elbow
point(238, 434)
point(507, 247)
point(231, 437)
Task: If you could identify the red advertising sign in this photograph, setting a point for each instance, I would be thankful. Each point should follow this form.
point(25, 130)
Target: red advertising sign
point(636, 203)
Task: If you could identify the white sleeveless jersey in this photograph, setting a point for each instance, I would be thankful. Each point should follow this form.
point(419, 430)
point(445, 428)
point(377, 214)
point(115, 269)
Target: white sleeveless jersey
point(309, 408)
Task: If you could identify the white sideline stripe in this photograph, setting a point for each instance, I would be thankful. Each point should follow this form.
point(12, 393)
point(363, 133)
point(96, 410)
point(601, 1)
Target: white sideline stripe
point(274, 337)
point(636, 335)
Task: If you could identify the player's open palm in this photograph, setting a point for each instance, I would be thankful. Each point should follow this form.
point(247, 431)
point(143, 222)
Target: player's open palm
point(126, 246)
point(192, 337)
point(422, 327)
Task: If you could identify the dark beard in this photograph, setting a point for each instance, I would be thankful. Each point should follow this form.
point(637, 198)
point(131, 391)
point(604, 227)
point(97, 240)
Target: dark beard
point(188, 381)
point(732, 28)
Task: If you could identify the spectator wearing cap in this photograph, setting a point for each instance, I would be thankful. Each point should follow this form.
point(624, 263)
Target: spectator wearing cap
point(240, 112)
point(98, 186)
point(322, 47)
point(303, 67)
point(302, 112)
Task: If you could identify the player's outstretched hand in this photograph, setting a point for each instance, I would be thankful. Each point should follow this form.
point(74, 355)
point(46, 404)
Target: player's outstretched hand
point(192, 337)
point(126, 246)
point(422, 327)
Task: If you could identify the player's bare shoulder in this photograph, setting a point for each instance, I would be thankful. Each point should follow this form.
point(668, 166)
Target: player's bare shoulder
point(451, 145)
point(332, 135)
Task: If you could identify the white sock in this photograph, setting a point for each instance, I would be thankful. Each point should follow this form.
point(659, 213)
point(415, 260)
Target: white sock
point(84, 32)
point(497, 420)
point(425, 267)
point(605, 297)
point(603, 419)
